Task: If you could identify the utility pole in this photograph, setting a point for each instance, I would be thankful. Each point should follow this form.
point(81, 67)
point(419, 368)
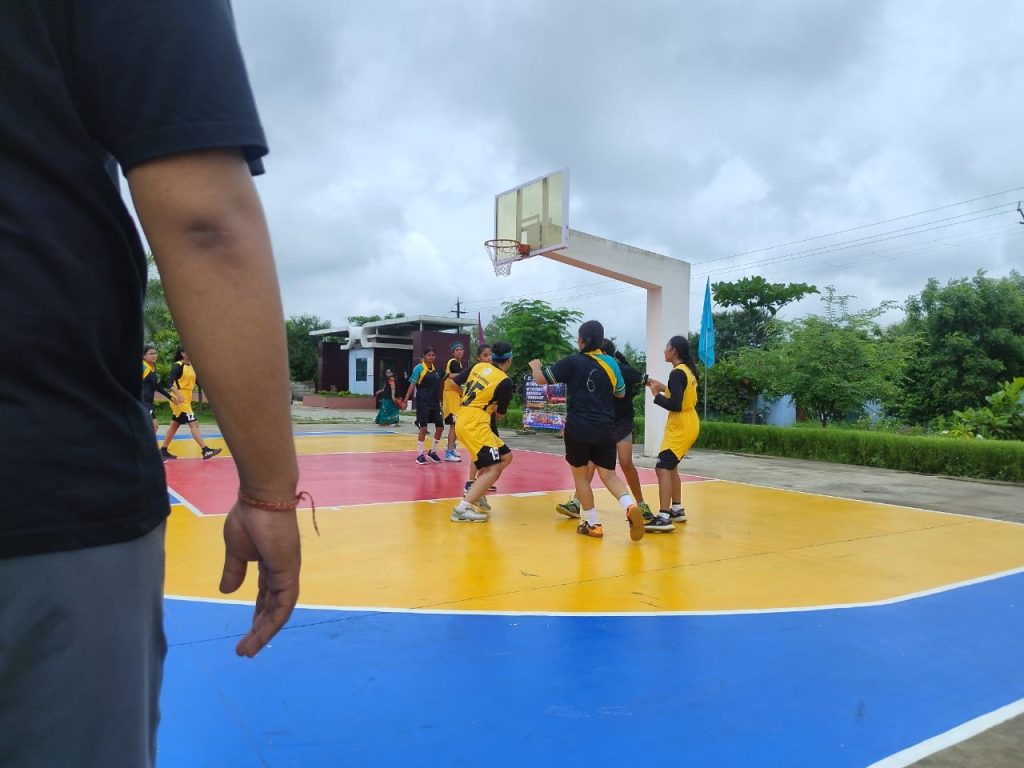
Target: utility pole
point(459, 311)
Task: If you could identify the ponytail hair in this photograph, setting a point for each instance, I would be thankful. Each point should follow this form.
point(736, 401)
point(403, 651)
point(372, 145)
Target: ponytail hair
point(682, 347)
point(591, 333)
point(179, 354)
point(608, 347)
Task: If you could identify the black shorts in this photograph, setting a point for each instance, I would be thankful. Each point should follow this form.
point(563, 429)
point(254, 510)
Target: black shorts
point(450, 419)
point(429, 413)
point(579, 454)
point(184, 418)
point(487, 456)
point(667, 460)
point(623, 429)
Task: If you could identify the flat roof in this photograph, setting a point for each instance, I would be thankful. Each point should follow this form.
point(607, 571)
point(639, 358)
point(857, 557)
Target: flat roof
point(403, 325)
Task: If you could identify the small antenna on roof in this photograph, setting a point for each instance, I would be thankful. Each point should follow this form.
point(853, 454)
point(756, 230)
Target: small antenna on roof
point(1021, 213)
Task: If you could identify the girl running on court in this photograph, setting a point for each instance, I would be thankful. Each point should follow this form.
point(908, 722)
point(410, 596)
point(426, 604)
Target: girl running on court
point(483, 355)
point(488, 392)
point(183, 381)
point(593, 380)
point(679, 398)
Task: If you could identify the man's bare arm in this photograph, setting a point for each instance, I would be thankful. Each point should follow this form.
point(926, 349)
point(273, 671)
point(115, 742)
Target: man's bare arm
point(204, 222)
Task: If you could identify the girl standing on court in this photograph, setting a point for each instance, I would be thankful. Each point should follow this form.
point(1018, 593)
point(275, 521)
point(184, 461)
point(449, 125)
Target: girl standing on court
point(679, 398)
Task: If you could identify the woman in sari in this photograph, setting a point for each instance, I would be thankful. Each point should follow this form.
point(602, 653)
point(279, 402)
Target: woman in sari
point(390, 404)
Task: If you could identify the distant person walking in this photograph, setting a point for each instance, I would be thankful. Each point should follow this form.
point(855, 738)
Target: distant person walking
point(151, 385)
point(182, 383)
point(390, 406)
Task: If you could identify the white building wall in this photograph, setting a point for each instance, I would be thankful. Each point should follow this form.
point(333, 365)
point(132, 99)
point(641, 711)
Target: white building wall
point(355, 386)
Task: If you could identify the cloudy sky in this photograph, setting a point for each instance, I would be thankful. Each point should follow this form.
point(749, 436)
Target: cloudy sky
point(735, 136)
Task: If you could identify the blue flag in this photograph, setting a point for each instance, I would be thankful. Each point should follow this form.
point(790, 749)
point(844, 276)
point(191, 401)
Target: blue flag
point(706, 348)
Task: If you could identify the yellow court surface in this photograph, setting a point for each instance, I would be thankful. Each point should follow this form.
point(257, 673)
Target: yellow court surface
point(744, 548)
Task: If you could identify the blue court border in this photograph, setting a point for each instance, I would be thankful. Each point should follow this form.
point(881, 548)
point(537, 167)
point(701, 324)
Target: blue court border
point(839, 687)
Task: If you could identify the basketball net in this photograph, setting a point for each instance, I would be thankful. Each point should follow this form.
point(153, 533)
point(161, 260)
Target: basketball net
point(505, 253)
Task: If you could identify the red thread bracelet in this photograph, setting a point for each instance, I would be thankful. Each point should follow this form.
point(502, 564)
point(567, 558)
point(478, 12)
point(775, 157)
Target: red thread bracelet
point(280, 506)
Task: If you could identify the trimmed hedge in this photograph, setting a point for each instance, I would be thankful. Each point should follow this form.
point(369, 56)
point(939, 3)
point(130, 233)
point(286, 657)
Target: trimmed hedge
point(986, 459)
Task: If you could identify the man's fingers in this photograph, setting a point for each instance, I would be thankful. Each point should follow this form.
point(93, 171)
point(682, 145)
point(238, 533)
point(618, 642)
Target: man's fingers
point(233, 574)
point(266, 624)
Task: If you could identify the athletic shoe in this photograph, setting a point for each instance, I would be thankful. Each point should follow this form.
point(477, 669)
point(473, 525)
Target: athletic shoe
point(645, 508)
point(209, 453)
point(595, 531)
point(484, 504)
point(166, 455)
point(452, 456)
point(466, 514)
point(570, 508)
point(433, 457)
point(421, 460)
point(677, 515)
point(658, 524)
point(636, 522)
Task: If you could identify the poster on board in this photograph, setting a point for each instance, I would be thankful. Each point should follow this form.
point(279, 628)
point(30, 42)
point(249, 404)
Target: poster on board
point(543, 405)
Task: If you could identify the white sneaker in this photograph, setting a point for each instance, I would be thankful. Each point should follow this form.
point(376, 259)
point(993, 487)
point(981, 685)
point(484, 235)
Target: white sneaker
point(483, 503)
point(452, 456)
point(464, 513)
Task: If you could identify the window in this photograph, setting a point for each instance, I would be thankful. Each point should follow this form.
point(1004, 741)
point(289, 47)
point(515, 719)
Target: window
point(361, 369)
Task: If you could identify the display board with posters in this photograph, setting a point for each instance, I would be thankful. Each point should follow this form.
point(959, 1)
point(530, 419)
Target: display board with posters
point(543, 405)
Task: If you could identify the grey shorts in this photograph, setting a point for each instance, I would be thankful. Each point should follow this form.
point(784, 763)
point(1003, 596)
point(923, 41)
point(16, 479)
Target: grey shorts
point(81, 655)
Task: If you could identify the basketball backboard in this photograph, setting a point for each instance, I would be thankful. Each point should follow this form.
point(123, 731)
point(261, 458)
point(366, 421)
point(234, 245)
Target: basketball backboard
point(535, 213)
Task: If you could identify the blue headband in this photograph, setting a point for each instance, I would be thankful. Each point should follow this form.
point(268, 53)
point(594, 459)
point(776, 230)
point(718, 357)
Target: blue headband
point(456, 345)
point(501, 358)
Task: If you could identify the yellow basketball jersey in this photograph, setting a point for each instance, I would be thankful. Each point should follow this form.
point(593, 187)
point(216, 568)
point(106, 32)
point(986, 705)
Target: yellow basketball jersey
point(481, 386)
point(186, 383)
point(682, 427)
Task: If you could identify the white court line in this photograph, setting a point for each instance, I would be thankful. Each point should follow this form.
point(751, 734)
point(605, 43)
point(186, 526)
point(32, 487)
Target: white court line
point(951, 737)
point(633, 614)
point(189, 505)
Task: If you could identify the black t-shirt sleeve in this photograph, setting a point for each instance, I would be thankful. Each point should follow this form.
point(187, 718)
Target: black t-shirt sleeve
point(676, 385)
point(503, 396)
point(462, 376)
point(176, 371)
point(560, 372)
point(630, 375)
point(159, 78)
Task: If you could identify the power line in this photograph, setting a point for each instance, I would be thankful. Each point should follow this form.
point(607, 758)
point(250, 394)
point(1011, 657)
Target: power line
point(862, 226)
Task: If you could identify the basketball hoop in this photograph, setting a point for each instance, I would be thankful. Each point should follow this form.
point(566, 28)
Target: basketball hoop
point(505, 253)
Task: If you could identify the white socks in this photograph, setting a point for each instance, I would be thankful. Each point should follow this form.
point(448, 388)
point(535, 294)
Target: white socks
point(420, 446)
point(626, 501)
point(590, 515)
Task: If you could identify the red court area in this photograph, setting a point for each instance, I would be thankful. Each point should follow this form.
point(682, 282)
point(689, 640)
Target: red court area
point(209, 487)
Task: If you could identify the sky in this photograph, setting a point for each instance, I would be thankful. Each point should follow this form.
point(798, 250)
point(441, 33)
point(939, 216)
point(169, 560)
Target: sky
point(869, 145)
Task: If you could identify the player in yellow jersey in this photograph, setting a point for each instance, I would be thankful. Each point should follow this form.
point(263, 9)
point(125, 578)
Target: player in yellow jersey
point(488, 391)
point(183, 381)
point(451, 396)
point(679, 398)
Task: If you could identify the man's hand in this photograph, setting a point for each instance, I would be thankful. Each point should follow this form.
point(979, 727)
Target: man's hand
point(272, 540)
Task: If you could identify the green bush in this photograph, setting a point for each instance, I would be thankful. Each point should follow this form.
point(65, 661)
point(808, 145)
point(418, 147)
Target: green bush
point(991, 460)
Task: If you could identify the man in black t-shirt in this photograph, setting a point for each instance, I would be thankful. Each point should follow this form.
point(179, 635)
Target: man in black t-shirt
point(159, 90)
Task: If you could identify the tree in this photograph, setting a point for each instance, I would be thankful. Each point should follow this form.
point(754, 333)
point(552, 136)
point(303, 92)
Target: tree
point(755, 303)
point(969, 337)
point(758, 302)
point(535, 329)
point(302, 348)
point(831, 364)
